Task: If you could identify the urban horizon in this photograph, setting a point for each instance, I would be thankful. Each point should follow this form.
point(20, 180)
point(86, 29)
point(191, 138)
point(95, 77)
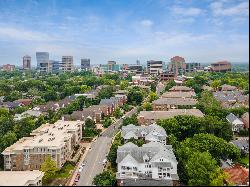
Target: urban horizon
point(199, 31)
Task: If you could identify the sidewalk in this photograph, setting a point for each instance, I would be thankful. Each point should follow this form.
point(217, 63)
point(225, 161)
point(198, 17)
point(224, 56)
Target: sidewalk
point(71, 181)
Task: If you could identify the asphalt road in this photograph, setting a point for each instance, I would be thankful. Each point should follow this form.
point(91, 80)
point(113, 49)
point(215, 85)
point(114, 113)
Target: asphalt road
point(99, 149)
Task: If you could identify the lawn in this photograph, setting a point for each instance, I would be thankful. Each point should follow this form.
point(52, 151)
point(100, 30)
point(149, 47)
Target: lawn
point(244, 160)
point(64, 172)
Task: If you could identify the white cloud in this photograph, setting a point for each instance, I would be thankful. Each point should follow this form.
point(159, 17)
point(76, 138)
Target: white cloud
point(146, 23)
point(219, 9)
point(190, 11)
point(22, 34)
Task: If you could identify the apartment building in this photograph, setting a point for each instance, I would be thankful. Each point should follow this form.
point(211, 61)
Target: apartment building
point(155, 67)
point(151, 133)
point(164, 104)
point(67, 64)
point(149, 117)
point(26, 62)
point(56, 140)
point(177, 65)
point(221, 66)
point(164, 76)
point(21, 178)
point(9, 67)
point(135, 68)
point(152, 164)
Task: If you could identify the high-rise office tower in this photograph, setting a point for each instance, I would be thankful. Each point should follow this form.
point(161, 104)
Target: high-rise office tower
point(67, 64)
point(26, 62)
point(55, 66)
point(85, 64)
point(43, 62)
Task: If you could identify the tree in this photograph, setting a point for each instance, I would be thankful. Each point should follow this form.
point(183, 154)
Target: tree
point(123, 84)
point(135, 96)
point(126, 107)
point(117, 113)
point(89, 123)
point(217, 147)
point(170, 84)
point(218, 177)
point(107, 122)
point(49, 168)
point(147, 106)
point(200, 167)
point(130, 120)
point(152, 96)
point(106, 178)
point(215, 84)
point(85, 88)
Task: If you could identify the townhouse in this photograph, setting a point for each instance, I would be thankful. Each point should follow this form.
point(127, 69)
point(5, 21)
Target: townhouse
point(236, 123)
point(164, 104)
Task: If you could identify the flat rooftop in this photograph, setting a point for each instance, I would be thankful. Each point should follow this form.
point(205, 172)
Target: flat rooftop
point(170, 113)
point(18, 178)
point(47, 135)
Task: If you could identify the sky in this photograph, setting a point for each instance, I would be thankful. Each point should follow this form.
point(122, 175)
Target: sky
point(125, 30)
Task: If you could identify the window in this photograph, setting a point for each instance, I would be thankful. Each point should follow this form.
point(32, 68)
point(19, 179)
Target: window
point(168, 175)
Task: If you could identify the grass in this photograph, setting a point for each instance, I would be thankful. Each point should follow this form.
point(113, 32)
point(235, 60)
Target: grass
point(64, 172)
point(244, 160)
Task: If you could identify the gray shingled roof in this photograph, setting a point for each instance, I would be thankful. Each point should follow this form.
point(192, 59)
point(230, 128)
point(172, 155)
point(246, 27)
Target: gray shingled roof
point(151, 149)
point(231, 117)
point(137, 130)
point(240, 143)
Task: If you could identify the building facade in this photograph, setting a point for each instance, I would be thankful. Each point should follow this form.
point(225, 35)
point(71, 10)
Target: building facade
point(67, 64)
point(21, 178)
point(155, 67)
point(192, 67)
point(42, 59)
point(164, 104)
point(177, 65)
point(26, 62)
point(56, 140)
point(153, 162)
point(9, 67)
point(222, 66)
point(85, 64)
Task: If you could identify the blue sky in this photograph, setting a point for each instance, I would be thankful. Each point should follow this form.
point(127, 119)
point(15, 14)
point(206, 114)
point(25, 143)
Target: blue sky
point(125, 30)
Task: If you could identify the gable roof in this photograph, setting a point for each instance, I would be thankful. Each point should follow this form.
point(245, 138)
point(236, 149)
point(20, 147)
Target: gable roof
point(233, 119)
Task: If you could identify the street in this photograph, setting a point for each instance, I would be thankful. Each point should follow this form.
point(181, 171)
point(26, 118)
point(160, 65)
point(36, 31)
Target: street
point(97, 153)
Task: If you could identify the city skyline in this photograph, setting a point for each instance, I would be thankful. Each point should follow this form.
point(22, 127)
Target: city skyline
point(125, 31)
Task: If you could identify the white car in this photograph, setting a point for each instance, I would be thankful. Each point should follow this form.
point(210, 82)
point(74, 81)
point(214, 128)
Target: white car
point(80, 170)
point(104, 161)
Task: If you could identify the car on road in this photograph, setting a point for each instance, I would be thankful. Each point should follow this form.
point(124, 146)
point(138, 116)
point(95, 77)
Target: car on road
point(123, 117)
point(104, 161)
point(80, 170)
point(83, 164)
